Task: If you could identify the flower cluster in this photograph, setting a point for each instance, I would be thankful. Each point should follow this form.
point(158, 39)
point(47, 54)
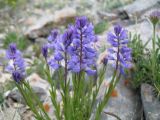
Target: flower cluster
point(17, 68)
point(155, 17)
point(120, 54)
point(83, 53)
point(74, 46)
point(53, 38)
point(62, 48)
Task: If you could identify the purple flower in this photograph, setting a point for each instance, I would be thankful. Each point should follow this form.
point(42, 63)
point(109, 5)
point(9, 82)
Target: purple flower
point(53, 64)
point(91, 72)
point(17, 76)
point(120, 54)
point(68, 37)
point(155, 17)
point(17, 68)
point(74, 64)
point(19, 64)
point(53, 36)
point(75, 47)
point(105, 60)
point(81, 22)
point(58, 56)
point(83, 55)
point(44, 51)
point(62, 48)
point(12, 51)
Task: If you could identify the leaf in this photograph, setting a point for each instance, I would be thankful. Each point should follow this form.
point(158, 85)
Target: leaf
point(100, 27)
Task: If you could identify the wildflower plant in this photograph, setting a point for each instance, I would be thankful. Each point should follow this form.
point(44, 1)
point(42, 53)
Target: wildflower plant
point(71, 68)
point(154, 19)
point(147, 65)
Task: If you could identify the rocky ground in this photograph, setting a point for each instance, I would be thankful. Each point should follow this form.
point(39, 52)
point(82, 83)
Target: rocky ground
point(35, 18)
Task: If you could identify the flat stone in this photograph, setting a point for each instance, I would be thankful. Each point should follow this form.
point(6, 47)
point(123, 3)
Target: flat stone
point(43, 26)
point(143, 28)
point(151, 104)
point(139, 6)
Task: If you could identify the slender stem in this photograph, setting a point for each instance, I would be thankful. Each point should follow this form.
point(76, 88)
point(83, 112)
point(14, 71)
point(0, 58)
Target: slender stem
point(105, 99)
point(53, 92)
point(153, 39)
point(111, 87)
point(65, 75)
point(29, 101)
point(117, 55)
point(111, 114)
point(65, 87)
point(36, 99)
point(100, 80)
point(154, 52)
point(81, 46)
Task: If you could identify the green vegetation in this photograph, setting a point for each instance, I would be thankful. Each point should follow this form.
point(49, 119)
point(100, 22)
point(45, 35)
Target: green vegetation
point(112, 4)
point(141, 71)
point(146, 62)
point(100, 27)
point(13, 37)
point(8, 85)
point(37, 67)
point(156, 81)
point(1, 98)
point(11, 3)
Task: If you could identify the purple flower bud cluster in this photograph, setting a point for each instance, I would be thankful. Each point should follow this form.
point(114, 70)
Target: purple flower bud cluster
point(53, 38)
point(17, 68)
point(74, 46)
point(62, 48)
point(44, 51)
point(119, 54)
point(83, 54)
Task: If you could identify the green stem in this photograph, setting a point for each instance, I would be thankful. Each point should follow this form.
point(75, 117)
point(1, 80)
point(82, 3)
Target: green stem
point(106, 96)
point(36, 99)
point(53, 93)
point(100, 80)
point(28, 101)
point(65, 89)
point(154, 53)
point(153, 39)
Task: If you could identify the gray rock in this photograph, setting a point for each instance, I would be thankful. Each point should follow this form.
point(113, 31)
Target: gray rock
point(125, 103)
point(43, 26)
point(35, 80)
point(4, 77)
point(151, 104)
point(41, 41)
point(9, 114)
point(143, 28)
point(139, 6)
point(16, 96)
